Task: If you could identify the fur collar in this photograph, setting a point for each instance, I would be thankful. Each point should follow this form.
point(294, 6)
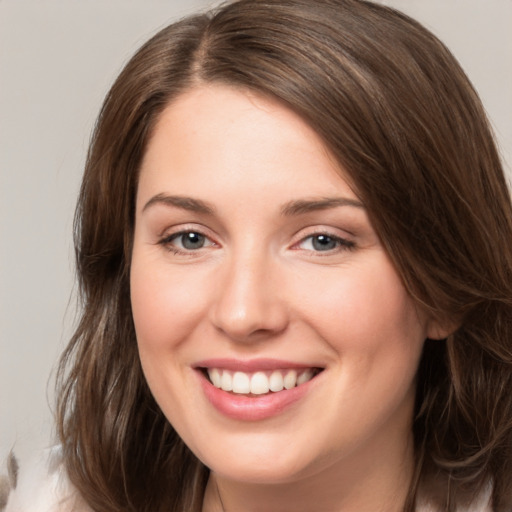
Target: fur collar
point(41, 486)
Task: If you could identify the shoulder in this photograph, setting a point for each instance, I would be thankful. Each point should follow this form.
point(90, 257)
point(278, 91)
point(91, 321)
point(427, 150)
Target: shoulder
point(42, 486)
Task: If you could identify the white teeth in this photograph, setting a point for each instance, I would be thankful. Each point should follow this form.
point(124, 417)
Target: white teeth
point(215, 377)
point(290, 379)
point(226, 382)
point(241, 383)
point(276, 381)
point(258, 383)
point(304, 377)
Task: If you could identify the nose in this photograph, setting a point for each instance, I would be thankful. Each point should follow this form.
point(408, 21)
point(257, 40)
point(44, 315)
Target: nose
point(249, 304)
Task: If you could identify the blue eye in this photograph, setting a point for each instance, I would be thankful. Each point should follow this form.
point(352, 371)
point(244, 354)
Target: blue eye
point(323, 242)
point(186, 241)
point(191, 240)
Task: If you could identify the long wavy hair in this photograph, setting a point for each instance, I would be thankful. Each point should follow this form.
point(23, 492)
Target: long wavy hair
point(396, 110)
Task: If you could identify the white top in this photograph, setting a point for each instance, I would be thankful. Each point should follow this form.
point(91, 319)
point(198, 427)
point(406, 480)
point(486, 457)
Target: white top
point(42, 486)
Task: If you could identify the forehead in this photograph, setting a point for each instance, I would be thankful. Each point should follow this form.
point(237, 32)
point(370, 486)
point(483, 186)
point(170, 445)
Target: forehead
point(222, 139)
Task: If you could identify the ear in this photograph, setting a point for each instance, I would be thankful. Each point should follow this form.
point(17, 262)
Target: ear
point(441, 328)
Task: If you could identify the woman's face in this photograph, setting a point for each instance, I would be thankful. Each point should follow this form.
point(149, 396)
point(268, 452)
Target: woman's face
point(255, 266)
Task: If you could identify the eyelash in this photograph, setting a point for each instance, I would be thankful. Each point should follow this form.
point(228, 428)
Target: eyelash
point(168, 240)
point(341, 244)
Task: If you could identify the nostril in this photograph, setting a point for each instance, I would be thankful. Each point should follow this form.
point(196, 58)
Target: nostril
point(249, 334)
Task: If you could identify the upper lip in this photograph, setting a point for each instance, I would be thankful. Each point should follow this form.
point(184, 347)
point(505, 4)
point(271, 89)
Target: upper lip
point(252, 365)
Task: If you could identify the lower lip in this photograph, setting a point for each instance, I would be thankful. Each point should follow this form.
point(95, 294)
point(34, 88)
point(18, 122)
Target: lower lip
point(259, 407)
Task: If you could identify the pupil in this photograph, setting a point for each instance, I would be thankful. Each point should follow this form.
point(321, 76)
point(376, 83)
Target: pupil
point(192, 240)
point(323, 243)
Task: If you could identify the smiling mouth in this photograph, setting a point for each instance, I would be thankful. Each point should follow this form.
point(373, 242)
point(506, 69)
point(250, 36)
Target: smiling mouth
point(259, 382)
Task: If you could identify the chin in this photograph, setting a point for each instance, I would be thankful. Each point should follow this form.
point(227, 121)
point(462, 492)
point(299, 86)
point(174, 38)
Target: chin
point(267, 472)
point(258, 462)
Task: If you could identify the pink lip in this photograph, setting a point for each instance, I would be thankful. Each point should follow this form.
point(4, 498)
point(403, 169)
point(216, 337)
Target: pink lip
point(252, 365)
point(251, 408)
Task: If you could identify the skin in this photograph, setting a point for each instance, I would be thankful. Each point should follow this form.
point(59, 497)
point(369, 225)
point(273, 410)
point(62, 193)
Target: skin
point(260, 288)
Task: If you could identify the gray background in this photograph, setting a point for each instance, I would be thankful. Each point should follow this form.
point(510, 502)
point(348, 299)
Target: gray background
point(57, 60)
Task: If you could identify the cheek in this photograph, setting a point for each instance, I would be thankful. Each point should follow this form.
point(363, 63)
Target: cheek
point(166, 303)
point(165, 310)
point(375, 336)
point(361, 309)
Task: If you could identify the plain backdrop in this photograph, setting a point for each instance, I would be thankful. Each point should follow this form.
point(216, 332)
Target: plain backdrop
point(57, 60)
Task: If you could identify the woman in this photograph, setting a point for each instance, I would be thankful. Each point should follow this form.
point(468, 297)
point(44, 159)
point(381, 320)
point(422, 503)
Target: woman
point(293, 251)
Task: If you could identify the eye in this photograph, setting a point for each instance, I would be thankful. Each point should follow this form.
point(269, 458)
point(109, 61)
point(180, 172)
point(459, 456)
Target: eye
point(185, 241)
point(190, 240)
point(323, 242)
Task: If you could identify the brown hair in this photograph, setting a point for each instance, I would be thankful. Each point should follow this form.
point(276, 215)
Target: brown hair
point(403, 120)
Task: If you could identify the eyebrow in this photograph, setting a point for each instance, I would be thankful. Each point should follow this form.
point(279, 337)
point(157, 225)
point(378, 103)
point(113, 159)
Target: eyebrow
point(302, 206)
point(296, 207)
point(185, 203)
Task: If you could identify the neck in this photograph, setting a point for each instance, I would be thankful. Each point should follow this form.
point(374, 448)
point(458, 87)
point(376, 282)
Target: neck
point(376, 481)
